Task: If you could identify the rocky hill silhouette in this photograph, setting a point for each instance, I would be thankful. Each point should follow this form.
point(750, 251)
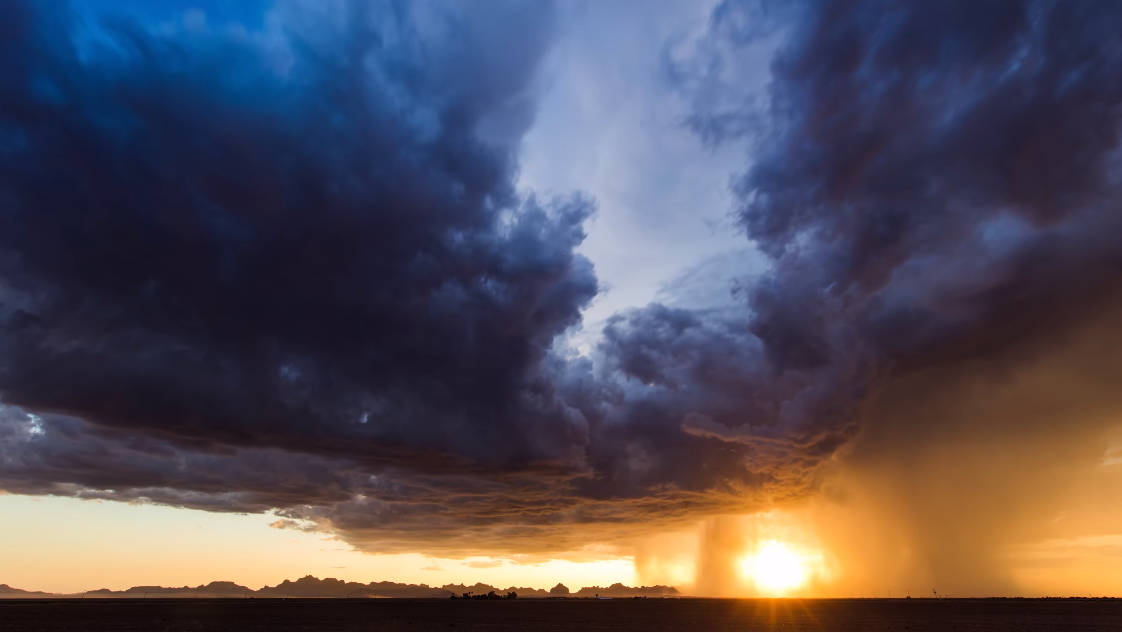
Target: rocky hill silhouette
point(12, 592)
point(217, 589)
point(619, 590)
point(312, 587)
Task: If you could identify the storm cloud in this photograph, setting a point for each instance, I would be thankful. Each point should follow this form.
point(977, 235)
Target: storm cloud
point(305, 243)
point(288, 269)
point(937, 189)
point(280, 247)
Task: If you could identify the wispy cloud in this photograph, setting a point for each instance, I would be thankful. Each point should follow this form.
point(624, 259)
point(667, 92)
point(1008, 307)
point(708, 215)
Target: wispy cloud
point(483, 564)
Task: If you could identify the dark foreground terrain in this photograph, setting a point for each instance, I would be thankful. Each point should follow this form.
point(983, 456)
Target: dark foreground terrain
point(575, 615)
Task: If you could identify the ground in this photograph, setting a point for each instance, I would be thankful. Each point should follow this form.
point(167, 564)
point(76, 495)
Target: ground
point(571, 615)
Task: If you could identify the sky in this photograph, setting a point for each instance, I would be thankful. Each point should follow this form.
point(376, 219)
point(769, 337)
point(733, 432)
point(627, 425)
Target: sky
point(747, 297)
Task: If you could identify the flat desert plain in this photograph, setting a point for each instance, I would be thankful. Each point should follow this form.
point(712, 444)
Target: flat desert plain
point(563, 615)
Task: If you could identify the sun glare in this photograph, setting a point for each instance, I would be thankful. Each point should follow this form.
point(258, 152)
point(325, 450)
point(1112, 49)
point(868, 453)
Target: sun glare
point(776, 568)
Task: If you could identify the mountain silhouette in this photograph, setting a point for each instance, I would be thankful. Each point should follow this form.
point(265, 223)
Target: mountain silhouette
point(312, 587)
point(559, 591)
point(12, 592)
point(619, 590)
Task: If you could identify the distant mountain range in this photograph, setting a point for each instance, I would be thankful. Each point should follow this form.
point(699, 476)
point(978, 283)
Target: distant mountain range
point(312, 587)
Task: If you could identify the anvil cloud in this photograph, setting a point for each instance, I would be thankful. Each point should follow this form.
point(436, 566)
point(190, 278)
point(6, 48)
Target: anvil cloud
point(290, 269)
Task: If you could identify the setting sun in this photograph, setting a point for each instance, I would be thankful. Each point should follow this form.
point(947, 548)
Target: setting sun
point(776, 568)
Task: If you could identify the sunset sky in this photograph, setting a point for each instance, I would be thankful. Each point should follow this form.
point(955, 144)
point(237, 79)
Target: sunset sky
point(753, 298)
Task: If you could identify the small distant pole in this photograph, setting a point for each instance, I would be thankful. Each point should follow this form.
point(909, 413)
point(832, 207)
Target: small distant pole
point(197, 592)
point(935, 592)
point(145, 596)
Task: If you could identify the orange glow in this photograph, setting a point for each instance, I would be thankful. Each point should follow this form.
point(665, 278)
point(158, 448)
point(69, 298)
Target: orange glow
point(69, 545)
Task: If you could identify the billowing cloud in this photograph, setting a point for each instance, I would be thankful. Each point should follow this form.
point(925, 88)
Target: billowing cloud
point(313, 242)
point(926, 173)
point(229, 255)
point(937, 188)
point(288, 269)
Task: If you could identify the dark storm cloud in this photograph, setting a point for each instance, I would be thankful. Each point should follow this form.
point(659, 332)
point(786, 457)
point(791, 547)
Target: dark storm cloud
point(47, 454)
point(934, 183)
point(928, 172)
point(290, 270)
point(312, 243)
point(254, 270)
point(944, 175)
point(374, 506)
point(937, 187)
